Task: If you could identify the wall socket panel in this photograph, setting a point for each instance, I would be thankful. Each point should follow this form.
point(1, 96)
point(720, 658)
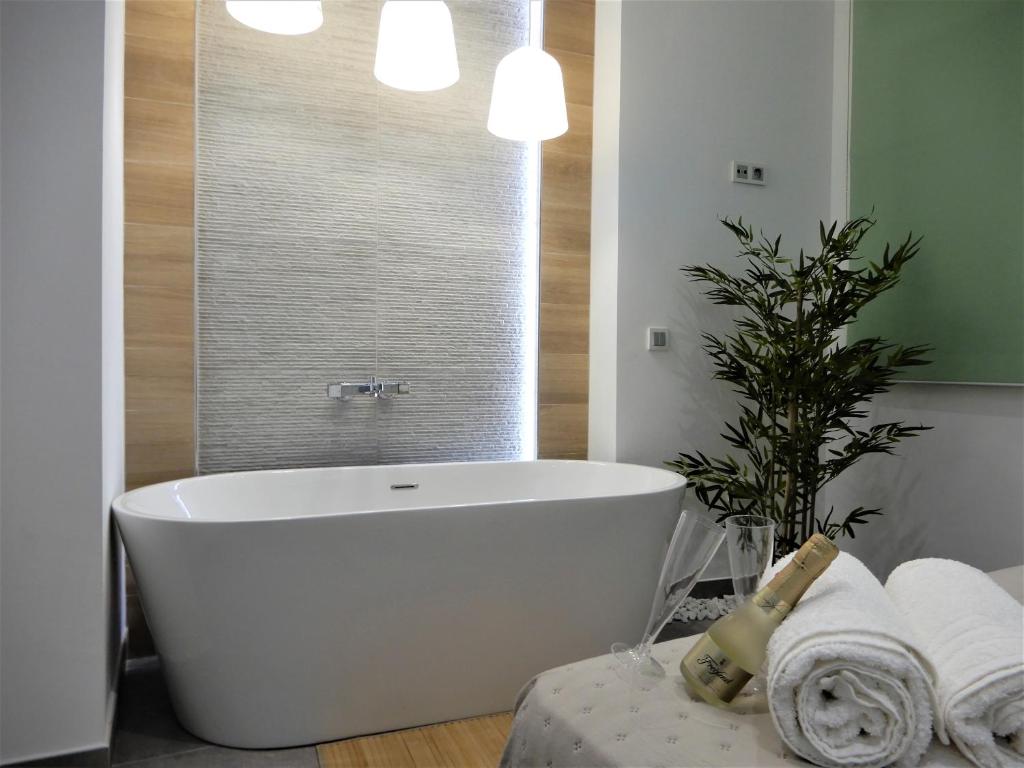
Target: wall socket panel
point(747, 173)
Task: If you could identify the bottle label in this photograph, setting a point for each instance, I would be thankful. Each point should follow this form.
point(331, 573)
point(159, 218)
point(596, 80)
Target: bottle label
point(712, 672)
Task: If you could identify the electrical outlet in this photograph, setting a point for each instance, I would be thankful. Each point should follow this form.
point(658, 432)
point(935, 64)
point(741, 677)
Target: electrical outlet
point(748, 173)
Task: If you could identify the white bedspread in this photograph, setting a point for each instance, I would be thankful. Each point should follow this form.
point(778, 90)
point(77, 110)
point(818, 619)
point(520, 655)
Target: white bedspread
point(583, 715)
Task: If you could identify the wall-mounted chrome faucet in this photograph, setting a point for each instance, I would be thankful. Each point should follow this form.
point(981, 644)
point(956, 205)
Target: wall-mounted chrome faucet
point(380, 389)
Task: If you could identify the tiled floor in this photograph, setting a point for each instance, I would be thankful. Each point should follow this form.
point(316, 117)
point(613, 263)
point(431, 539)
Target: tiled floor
point(149, 736)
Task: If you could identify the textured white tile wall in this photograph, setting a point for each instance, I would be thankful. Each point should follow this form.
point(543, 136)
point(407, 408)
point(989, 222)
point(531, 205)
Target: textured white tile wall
point(346, 229)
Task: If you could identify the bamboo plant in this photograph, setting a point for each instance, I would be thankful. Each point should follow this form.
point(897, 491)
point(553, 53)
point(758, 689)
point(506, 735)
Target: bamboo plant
point(803, 389)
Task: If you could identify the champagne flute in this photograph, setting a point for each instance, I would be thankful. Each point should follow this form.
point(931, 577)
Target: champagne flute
point(694, 542)
point(751, 543)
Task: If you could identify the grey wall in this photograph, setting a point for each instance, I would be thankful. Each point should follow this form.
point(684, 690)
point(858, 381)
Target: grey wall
point(60, 377)
point(346, 229)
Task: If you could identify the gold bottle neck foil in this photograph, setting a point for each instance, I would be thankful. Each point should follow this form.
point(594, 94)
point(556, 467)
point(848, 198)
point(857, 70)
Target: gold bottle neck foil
point(816, 554)
point(789, 584)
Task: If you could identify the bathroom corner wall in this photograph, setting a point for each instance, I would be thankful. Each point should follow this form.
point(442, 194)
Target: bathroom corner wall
point(159, 240)
point(678, 99)
point(565, 239)
point(692, 100)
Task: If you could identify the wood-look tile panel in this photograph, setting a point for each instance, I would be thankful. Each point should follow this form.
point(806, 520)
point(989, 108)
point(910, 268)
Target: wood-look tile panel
point(564, 328)
point(159, 70)
point(564, 229)
point(563, 378)
point(569, 25)
point(578, 74)
point(476, 742)
point(565, 179)
point(170, 395)
point(565, 239)
point(172, 21)
point(158, 193)
point(562, 430)
point(155, 465)
point(159, 362)
point(565, 278)
point(161, 317)
point(159, 379)
point(161, 427)
point(160, 443)
point(159, 255)
point(578, 140)
point(158, 132)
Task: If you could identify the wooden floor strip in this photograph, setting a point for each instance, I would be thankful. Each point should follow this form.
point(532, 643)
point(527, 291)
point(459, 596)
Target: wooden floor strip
point(473, 743)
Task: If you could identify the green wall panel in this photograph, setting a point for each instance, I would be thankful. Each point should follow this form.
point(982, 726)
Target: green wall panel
point(937, 147)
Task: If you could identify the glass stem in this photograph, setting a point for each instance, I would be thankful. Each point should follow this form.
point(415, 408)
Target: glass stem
point(652, 635)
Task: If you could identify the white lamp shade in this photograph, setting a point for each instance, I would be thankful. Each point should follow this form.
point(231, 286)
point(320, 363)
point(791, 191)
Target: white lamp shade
point(416, 46)
point(280, 17)
point(528, 100)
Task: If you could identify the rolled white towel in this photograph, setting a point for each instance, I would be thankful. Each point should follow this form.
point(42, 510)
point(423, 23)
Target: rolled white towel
point(972, 632)
point(846, 685)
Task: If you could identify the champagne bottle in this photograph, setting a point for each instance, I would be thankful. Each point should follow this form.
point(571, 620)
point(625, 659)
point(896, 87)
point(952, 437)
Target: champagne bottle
point(734, 647)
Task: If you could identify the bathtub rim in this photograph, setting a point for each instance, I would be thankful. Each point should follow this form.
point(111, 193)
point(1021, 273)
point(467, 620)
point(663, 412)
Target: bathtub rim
point(120, 505)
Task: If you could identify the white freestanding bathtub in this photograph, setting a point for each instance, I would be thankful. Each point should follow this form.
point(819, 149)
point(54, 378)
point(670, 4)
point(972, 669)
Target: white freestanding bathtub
point(300, 606)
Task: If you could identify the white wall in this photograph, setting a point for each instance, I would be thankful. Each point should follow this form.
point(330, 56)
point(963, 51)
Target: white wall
point(694, 97)
point(112, 353)
point(604, 238)
point(60, 375)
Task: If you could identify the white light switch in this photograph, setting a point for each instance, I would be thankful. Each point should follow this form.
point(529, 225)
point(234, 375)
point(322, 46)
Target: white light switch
point(657, 339)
